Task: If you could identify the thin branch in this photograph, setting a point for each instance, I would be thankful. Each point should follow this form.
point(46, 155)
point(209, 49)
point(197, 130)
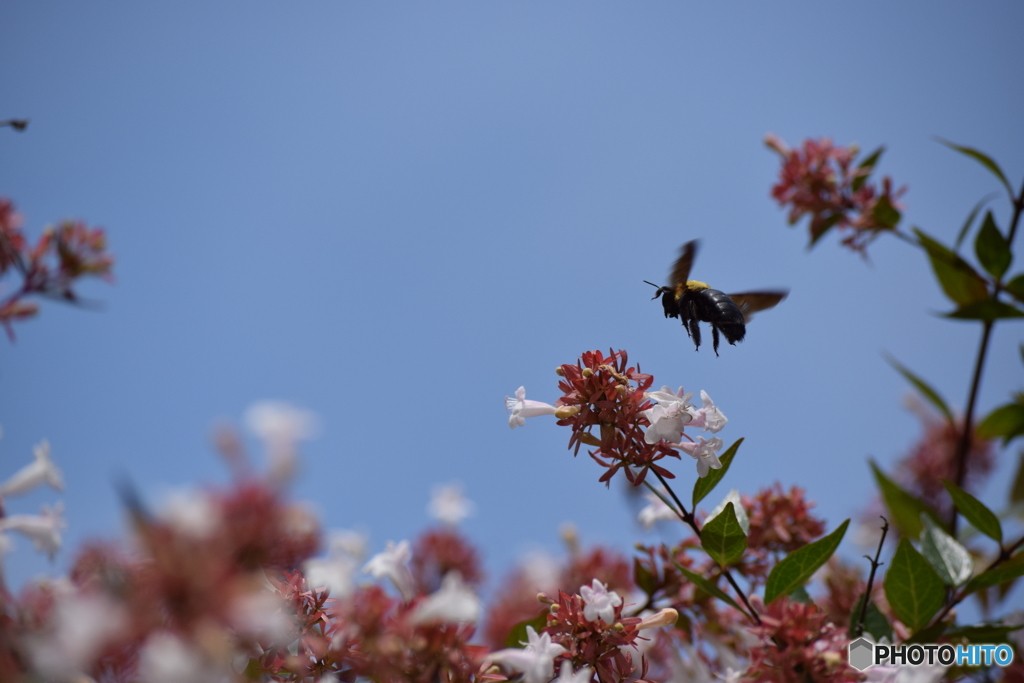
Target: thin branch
point(964, 444)
point(875, 564)
point(689, 519)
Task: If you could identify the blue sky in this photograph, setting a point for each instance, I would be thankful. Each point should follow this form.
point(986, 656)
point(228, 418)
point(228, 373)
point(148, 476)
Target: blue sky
point(394, 214)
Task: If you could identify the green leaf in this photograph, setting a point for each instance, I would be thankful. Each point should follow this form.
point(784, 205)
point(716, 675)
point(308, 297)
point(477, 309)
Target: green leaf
point(707, 586)
point(819, 231)
point(914, 590)
point(643, 578)
point(885, 213)
point(928, 635)
point(1017, 491)
point(983, 633)
point(975, 512)
point(801, 595)
point(1016, 289)
point(984, 160)
point(986, 309)
point(869, 164)
point(723, 537)
point(947, 557)
point(992, 249)
point(958, 279)
point(904, 508)
point(875, 622)
point(1005, 422)
point(1007, 571)
point(704, 485)
point(517, 636)
point(926, 390)
point(970, 220)
point(796, 568)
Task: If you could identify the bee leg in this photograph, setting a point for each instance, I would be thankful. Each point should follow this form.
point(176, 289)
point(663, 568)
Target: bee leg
point(714, 337)
point(695, 332)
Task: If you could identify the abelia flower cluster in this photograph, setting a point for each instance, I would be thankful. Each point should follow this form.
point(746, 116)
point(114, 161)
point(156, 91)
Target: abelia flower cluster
point(49, 268)
point(933, 458)
point(607, 404)
point(798, 644)
point(593, 632)
point(819, 180)
point(517, 601)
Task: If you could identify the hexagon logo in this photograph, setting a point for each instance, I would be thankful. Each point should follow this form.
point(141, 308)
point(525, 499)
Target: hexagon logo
point(861, 653)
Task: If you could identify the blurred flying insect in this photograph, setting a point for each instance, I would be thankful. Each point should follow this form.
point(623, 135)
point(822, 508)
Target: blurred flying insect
point(693, 301)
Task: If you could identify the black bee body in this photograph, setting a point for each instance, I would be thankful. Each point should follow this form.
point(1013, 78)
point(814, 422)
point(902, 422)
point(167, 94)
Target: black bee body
point(693, 302)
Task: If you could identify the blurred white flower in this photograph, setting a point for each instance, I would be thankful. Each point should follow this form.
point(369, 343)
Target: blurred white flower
point(453, 603)
point(520, 408)
point(43, 529)
point(926, 673)
point(40, 471)
point(536, 661)
point(567, 676)
point(448, 505)
point(265, 615)
point(334, 573)
point(348, 542)
point(541, 570)
point(392, 564)
point(737, 505)
point(599, 602)
point(281, 426)
point(655, 511)
point(82, 625)
point(165, 658)
point(191, 513)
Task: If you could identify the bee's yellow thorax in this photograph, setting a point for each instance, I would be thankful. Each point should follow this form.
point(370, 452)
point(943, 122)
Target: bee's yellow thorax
point(697, 285)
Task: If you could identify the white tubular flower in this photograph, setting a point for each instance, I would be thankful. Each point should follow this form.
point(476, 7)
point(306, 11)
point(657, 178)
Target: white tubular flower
point(448, 505)
point(671, 413)
point(737, 506)
point(453, 603)
point(664, 617)
point(38, 472)
point(536, 661)
point(599, 602)
point(704, 452)
point(392, 564)
point(567, 676)
point(520, 408)
point(709, 416)
point(43, 529)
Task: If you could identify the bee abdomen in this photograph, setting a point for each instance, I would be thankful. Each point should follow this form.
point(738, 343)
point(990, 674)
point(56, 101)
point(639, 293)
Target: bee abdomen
point(721, 311)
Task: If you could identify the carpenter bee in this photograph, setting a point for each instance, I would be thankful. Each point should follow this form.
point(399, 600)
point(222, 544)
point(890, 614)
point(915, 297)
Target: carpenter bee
point(693, 301)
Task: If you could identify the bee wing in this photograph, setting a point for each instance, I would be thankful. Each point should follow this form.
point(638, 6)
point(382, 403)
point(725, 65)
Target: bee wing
point(681, 268)
point(751, 302)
